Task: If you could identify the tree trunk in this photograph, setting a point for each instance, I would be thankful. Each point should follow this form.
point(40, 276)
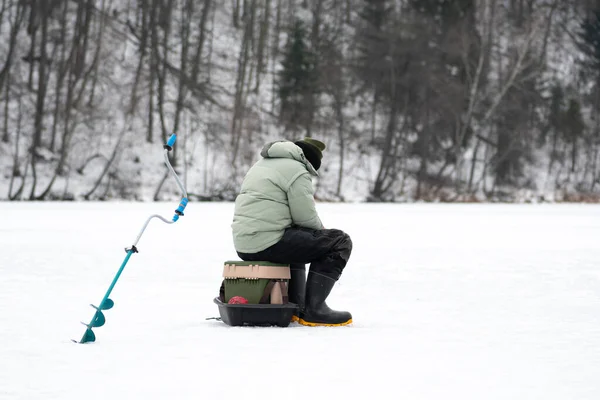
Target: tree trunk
point(42, 81)
point(262, 42)
point(16, 172)
point(41, 95)
point(385, 163)
point(594, 169)
point(374, 116)
point(143, 47)
point(62, 72)
point(12, 42)
point(201, 40)
point(107, 166)
point(154, 68)
point(188, 11)
point(573, 154)
point(275, 54)
point(473, 165)
point(99, 47)
point(162, 73)
point(317, 16)
point(236, 13)
point(5, 137)
point(160, 185)
point(240, 85)
point(32, 31)
point(339, 113)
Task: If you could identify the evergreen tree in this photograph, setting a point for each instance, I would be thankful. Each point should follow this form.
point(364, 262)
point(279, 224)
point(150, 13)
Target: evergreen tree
point(297, 82)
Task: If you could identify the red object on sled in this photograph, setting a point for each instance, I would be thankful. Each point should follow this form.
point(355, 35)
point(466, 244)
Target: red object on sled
point(237, 300)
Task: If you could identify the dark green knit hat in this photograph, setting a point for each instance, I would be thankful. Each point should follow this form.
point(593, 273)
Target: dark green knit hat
point(313, 150)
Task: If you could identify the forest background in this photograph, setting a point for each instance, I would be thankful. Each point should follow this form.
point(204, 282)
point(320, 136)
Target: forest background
point(417, 100)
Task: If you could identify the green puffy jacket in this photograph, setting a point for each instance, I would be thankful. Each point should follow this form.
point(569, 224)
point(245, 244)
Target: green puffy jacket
point(276, 193)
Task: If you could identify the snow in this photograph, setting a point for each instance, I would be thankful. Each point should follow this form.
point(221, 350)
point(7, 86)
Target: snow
point(450, 301)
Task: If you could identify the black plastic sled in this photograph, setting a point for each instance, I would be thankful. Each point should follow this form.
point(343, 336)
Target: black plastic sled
point(256, 314)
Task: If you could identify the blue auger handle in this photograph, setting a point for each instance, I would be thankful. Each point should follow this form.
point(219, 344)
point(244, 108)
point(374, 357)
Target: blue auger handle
point(172, 139)
point(179, 211)
point(171, 142)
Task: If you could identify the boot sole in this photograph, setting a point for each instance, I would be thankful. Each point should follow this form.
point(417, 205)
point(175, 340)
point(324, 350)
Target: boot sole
point(307, 323)
point(295, 318)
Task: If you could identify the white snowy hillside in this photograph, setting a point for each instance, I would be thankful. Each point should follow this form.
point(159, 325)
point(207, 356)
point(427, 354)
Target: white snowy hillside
point(456, 302)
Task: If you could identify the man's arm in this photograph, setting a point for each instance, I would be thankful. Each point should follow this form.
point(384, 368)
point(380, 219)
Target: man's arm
point(302, 203)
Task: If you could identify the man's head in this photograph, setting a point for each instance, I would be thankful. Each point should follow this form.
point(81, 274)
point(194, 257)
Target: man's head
point(313, 150)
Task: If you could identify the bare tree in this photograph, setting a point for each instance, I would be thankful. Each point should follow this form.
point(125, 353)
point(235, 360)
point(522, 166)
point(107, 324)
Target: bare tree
point(242, 77)
point(16, 16)
point(262, 43)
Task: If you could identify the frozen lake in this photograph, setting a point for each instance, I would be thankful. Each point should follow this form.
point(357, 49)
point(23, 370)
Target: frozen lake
point(448, 301)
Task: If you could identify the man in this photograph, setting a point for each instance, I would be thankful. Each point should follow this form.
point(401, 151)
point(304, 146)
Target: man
point(275, 220)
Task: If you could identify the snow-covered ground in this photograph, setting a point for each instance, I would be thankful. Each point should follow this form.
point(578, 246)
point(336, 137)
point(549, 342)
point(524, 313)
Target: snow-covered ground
point(449, 302)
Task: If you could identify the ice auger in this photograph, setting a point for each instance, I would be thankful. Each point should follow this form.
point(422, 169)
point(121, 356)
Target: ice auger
point(106, 304)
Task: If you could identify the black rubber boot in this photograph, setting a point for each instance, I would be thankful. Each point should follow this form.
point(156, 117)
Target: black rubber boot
point(316, 312)
point(297, 287)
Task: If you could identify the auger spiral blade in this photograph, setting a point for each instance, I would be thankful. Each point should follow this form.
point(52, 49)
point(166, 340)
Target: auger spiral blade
point(88, 336)
point(98, 320)
point(107, 305)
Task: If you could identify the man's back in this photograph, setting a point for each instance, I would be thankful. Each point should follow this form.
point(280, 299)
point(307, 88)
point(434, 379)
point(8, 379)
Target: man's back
point(276, 193)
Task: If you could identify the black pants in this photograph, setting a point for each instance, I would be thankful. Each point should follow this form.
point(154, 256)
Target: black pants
point(327, 250)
